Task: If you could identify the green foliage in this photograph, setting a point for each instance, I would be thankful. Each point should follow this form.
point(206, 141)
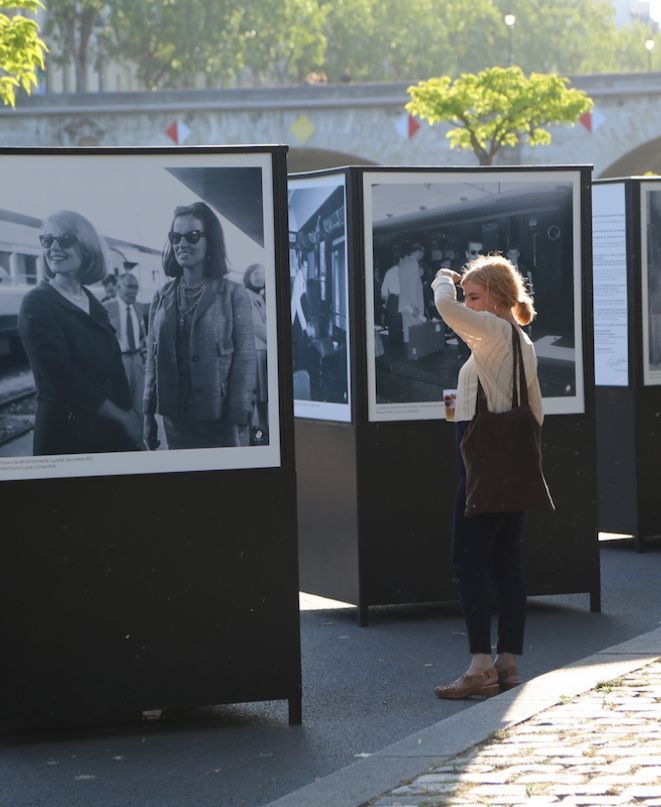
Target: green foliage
point(21, 49)
point(71, 25)
point(284, 39)
point(497, 107)
point(631, 54)
point(563, 36)
point(171, 42)
point(181, 43)
point(395, 40)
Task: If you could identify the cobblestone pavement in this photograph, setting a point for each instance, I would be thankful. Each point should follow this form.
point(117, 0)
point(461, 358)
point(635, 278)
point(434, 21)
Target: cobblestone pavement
point(600, 748)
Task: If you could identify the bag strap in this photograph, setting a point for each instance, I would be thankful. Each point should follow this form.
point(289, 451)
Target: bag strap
point(517, 370)
point(517, 363)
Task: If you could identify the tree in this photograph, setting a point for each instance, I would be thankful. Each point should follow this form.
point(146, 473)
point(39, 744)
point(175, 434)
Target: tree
point(497, 107)
point(284, 39)
point(72, 24)
point(21, 49)
point(563, 36)
point(631, 53)
point(172, 42)
point(397, 40)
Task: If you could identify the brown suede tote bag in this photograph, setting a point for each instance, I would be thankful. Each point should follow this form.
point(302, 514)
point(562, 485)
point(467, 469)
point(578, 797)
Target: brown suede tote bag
point(502, 452)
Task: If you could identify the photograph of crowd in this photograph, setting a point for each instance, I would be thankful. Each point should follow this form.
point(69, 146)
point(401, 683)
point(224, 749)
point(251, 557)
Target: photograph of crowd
point(319, 297)
point(419, 222)
point(651, 281)
point(137, 313)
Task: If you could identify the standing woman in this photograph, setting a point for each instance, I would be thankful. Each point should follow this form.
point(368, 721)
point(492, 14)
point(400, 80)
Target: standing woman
point(254, 280)
point(486, 548)
point(201, 361)
point(83, 397)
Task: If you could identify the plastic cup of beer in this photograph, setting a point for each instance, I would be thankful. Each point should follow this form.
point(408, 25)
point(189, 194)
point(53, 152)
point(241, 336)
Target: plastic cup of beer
point(449, 399)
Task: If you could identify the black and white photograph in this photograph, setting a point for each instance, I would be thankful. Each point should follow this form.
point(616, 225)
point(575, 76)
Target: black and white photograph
point(419, 222)
point(651, 281)
point(137, 313)
point(319, 297)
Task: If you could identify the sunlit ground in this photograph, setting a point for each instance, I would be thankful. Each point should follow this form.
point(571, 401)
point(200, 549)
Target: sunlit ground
point(311, 602)
point(614, 536)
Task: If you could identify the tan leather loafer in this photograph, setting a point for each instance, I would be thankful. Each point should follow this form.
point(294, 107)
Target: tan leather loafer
point(508, 678)
point(484, 684)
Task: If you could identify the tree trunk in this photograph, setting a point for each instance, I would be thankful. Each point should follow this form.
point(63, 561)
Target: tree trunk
point(81, 50)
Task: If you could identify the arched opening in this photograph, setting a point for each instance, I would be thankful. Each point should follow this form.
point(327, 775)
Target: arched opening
point(301, 159)
point(640, 161)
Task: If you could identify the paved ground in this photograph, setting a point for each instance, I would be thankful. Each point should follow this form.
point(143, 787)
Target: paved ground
point(365, 690)
point(587, 734)
point(603, 747)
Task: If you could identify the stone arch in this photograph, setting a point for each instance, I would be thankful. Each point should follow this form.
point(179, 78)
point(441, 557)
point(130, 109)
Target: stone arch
point(302, 159)
point(637, 161)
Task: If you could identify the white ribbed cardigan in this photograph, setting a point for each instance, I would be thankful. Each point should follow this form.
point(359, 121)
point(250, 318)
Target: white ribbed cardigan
point(490, 339)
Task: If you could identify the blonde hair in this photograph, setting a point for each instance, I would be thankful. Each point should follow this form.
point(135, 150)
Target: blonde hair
point(92, 245)
point(503, 281)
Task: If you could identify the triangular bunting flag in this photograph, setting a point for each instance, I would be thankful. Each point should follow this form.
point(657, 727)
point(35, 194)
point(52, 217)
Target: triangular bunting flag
point(407, 126)
point(593, 120)
point(178, 132)
point(598, 118)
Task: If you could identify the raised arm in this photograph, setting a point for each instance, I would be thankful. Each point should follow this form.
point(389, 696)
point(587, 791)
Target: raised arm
point(474, 327)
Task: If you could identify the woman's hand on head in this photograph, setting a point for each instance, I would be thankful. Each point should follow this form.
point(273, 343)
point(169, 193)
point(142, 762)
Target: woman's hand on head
point(455, 277)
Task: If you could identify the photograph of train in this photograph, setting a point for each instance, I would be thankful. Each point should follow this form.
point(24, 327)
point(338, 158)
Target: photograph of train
point(319, 297)
point(419, 222)
point(137, 313)
point(651, 281)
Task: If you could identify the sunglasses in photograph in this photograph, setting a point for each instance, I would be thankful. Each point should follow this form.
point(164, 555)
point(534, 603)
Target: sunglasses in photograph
point(192, 237)
point(65, 240)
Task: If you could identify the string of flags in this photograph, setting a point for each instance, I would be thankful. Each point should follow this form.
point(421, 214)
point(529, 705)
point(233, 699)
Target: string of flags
point(406, 126)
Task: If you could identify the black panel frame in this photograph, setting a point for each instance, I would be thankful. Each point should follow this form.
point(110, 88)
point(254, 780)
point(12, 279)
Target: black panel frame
point(154, 591)
point(405, 471)
point(628, 429)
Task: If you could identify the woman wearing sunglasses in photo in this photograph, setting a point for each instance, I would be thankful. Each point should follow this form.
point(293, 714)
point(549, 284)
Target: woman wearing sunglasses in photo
point(201, 359)
point(82, 393)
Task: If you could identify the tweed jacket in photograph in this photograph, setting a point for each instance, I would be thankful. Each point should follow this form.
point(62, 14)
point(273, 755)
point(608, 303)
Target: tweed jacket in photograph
point(223, 361)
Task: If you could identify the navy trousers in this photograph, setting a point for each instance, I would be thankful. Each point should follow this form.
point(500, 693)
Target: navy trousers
point(486, 556)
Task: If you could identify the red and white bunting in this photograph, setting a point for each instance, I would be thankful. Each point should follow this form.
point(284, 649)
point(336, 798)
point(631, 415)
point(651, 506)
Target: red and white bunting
point(178, 132)
point(593, 120)
point(407, 126)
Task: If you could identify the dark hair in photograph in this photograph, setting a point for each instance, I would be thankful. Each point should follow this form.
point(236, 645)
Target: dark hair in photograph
point(91, 244)
point(216, 256)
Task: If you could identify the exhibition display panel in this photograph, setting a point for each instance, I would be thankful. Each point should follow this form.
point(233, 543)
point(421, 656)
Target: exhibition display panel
point(627, 319)
point(149, 558)
point(377, 476)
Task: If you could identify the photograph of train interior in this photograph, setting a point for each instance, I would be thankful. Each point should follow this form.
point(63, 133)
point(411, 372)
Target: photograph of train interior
point(450, 223)
point(317, 254)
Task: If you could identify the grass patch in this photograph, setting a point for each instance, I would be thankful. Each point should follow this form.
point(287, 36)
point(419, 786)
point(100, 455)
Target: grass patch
point(607, 686)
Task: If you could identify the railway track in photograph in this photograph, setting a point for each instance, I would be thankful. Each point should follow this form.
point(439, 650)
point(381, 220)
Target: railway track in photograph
point(17, 414)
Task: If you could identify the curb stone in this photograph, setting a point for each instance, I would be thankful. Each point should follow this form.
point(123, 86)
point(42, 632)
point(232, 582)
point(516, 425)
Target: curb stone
point(442, 746)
